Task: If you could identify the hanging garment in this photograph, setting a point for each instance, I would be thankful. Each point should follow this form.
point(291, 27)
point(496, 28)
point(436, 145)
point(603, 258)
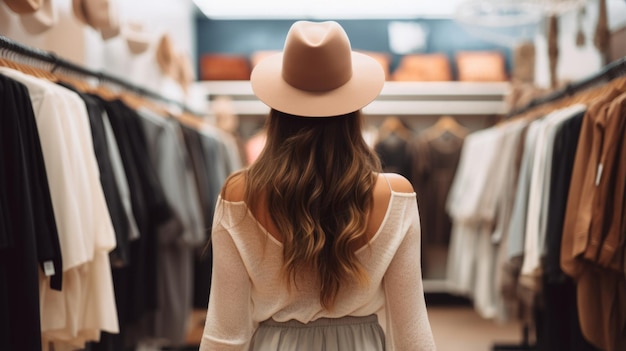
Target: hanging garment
point(86, 234)
point(210, 168)
point(582, 186)
point(120, 177)
point(604, 324)
point(136, 284)
point(500, 206)
point(121, 225)
point(535, 228)
point(559, 313)
point(392, 151)
point(433, 163)
point(470, 266)
point(517, 224)
point(606, 241)
point(176, 243)
point(28, 230)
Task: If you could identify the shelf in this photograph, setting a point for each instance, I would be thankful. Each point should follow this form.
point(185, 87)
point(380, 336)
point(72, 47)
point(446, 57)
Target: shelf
point(396, 98)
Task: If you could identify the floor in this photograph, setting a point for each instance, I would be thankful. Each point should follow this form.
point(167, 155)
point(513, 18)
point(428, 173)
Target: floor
point(456, 326)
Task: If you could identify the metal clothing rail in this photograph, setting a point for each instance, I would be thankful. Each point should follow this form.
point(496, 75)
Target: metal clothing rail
point(609, 72)
point(57, 62)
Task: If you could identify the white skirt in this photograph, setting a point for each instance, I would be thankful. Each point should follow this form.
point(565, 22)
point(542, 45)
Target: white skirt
point(324, 334)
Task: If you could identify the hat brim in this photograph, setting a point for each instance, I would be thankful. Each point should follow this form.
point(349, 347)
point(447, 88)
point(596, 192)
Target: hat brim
point(79, 12)
point(41, 20)
point(23, 7)
point(137, 40)
point(363, 87)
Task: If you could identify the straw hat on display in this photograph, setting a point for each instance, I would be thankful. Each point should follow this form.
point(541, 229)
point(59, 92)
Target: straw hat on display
point(166, 56)
point(41, 20)
point(102, 15)
point(110, 33)
point(22, 7)
point(184, 70)
point(137, 39)
point(317, 74)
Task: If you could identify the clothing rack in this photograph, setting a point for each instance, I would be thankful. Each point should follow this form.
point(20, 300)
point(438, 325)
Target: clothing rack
point(57, 62)
point(609, 72)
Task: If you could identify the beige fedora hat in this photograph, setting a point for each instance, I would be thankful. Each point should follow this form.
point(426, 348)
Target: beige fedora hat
point(98, 14)
point(166, 55)
point(137, 38)
point(110, 33)
point(41, 20)
point(23, 6)
point(317, 74)
point(184, 70)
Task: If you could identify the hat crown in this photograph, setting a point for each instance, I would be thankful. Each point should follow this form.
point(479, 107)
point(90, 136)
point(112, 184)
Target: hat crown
point(317, 56)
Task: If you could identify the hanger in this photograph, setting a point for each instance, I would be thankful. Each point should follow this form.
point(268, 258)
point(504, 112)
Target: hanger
point(190, 120)
point(584, 96)
point(103, 91)
point(619, 83)
point(136, 102)
point(446, 124)
point(18, 67)
point(77, 83)
point(7, 63)
point(394, 125)
point(591, 94)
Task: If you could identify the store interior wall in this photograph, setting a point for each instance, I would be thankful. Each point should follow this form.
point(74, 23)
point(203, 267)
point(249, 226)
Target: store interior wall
point(244, 37)
point(174, 17)
point(194, 33)
point(76, 42)
point(66, 38)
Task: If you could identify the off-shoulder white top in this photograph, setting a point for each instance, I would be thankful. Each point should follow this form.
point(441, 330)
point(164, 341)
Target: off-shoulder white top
point(248, 288)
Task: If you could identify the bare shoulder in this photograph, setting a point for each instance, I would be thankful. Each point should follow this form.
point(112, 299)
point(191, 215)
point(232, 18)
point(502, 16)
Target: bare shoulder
point(234, 187)
point(397, 182)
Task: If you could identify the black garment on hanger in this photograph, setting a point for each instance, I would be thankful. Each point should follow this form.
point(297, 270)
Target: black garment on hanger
point(433, 162)
point(135, 285)
point(28, 231)
point(121, 225)
point(563, 156)
point(392, 151)
point(209, 187)
point(560, 330)
point(203, 257)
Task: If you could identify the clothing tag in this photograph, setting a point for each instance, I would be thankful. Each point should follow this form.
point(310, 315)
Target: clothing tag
point(599, 174)
point(48, 268)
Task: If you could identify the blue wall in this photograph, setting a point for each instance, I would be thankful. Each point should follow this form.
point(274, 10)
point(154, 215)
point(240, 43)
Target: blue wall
point(243, 37)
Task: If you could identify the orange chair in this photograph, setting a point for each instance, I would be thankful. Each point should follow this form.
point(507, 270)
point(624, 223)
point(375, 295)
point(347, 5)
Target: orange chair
point(423, 68)
point(481, 66)
point(224, 67)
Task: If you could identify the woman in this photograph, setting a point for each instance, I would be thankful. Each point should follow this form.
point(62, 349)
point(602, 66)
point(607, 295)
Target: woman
point(313, 248)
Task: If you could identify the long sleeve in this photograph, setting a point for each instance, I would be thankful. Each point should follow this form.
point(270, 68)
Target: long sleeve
point(229, 324)
point(407, 322)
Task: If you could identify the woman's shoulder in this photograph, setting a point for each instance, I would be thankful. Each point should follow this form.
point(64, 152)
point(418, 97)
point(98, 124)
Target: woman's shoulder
point(234, 187)
point(394, 182)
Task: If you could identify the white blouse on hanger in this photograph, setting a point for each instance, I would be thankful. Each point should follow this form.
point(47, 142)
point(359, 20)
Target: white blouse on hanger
point(86, 305)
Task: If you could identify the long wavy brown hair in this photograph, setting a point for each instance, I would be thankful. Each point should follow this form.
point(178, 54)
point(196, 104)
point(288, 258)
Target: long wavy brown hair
point(316, 176)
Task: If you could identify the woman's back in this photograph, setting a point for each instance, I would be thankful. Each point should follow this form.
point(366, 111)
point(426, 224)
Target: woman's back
point(385, 184)
point(253, 265)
